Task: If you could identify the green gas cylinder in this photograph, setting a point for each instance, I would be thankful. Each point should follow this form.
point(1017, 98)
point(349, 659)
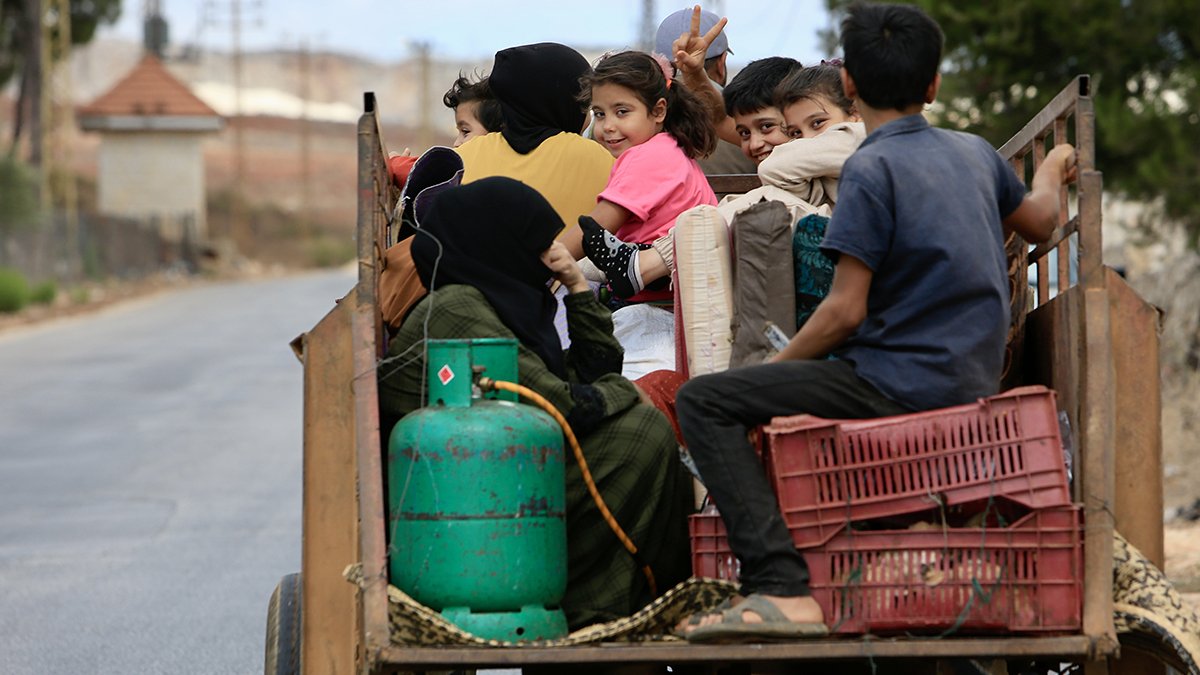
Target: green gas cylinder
point(476, 499)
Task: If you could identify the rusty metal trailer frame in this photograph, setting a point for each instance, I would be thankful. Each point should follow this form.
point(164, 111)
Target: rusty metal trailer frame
point(1089, 341)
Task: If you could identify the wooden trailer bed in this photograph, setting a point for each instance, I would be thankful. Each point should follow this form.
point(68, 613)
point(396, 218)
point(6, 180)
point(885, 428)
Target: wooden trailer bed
point(1087, 335)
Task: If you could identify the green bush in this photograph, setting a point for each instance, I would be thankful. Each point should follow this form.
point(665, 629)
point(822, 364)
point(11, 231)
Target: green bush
point(18, 195)
point(331, 251)
point(14, 290)
point(44, 293)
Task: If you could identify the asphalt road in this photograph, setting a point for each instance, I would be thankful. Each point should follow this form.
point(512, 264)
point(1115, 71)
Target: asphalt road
point(150, 461)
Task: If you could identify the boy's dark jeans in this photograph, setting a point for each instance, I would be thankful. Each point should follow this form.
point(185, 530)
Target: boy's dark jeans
point(715, 413)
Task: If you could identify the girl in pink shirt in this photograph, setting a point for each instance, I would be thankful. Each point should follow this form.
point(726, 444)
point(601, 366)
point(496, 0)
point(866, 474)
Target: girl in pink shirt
point(657, 130)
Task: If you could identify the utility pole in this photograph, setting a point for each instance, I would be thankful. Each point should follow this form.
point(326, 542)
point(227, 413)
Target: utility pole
point(237, 11)
point(305, 138)
point(31, 84)
point(239, 147)
point(57, 126)
point(649, 27)
point(154, 29)
point(304, 66)
point(424, 97)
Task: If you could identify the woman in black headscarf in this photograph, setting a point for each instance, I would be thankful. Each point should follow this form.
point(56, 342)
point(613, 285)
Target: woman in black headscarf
point(532, 84)
point(486, 252)
point(538, 88)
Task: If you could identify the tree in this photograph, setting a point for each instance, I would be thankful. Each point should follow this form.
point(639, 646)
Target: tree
point(1007, 60)
point(20, 44)
point(86, 17)
point(18, 195)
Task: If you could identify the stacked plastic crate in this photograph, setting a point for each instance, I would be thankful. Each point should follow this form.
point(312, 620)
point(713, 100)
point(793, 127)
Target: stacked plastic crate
point(951, 520)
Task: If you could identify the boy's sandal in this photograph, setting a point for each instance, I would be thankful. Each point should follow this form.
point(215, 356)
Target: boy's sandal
point(773, 627)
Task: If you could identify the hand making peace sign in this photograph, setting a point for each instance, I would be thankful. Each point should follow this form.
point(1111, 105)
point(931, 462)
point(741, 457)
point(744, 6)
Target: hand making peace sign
point(690, 47)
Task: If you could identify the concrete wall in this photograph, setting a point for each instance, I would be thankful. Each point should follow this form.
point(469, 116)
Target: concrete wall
point(154, 175)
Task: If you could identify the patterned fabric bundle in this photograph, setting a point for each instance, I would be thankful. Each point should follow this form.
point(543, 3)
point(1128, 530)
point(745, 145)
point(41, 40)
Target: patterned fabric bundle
point(814, 269)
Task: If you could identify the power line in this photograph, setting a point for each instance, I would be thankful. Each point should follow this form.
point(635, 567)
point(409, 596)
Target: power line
point(649, 27)
point(423, 49)
point(305, 63)
point(237, 11)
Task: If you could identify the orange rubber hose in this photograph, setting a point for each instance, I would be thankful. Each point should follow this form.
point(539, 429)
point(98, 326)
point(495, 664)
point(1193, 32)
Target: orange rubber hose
point(487, 384)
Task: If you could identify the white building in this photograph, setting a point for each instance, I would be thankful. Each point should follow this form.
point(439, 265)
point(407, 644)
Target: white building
point(151, 163)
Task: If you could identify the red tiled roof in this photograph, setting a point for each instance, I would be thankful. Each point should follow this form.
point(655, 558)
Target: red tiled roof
point(148, 90)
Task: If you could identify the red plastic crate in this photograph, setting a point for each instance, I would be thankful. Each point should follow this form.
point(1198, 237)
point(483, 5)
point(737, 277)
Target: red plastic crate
point(1026, 578)
point(711, 556)
point(830, 472)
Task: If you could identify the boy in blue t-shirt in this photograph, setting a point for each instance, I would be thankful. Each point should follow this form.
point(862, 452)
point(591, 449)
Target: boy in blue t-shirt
point(916, 317)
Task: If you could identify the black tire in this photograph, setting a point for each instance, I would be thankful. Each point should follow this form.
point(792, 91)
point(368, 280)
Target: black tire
point(283, 628)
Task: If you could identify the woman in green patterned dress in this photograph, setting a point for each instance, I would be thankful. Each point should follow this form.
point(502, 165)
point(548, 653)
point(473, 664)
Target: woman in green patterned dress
point(487, 251)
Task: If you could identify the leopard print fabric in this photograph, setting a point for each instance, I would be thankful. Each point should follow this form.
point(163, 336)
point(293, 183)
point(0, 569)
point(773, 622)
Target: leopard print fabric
point(413, 624)
point(1149, 611)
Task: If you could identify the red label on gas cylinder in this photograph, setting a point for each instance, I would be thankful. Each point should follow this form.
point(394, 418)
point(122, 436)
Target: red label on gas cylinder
point(445, 375)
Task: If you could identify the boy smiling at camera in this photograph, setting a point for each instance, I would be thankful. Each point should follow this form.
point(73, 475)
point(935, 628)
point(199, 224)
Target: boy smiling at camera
point(916, 317)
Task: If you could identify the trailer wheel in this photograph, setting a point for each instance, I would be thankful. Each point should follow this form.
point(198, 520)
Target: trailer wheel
point(283, 628)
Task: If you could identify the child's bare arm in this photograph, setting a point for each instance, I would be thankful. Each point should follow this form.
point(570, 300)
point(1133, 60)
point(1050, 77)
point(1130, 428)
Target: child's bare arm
point(690, 49)
point(711, 98)
point(610, 216)
point(564, 268)
point(714, 103)
point(838, 315)
point(1037, 216)
point(804, 159)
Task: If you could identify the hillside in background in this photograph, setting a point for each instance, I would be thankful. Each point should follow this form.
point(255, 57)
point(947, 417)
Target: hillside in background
point(275, 118)
point(272, 82)
point(276, 121)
